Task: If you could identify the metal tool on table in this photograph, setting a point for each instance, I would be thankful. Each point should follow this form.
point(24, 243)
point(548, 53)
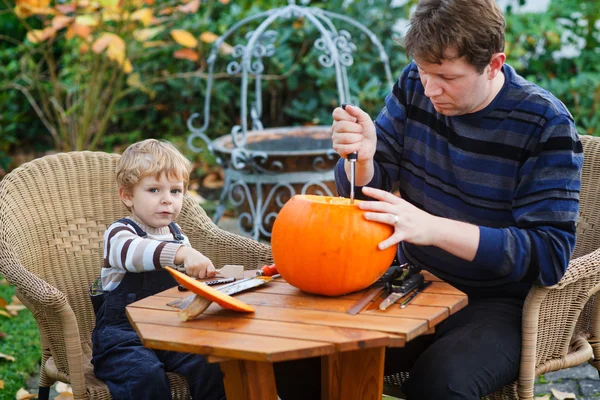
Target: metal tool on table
point(393, 272)
point(401, 287)
point(223, 281)
point(414, 294)
point(230, 289)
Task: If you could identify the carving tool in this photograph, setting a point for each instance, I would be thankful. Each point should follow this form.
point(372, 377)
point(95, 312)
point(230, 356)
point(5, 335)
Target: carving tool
point(352, 157)
point(414, 294)
point(392, 273)
point(397, 292)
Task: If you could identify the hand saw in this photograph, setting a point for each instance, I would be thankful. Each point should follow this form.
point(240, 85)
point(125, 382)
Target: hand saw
point(230, 289)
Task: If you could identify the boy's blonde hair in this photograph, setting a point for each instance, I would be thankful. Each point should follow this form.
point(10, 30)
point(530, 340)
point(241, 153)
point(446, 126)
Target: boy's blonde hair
point(152, 157)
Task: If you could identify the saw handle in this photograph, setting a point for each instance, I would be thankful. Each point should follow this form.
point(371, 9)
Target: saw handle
point(267, 270)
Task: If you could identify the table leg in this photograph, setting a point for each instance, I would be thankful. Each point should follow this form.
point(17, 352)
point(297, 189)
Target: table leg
point(249, 380)
point(354, 374)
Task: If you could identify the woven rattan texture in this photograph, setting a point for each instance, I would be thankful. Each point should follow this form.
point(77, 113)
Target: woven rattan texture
point(561, 322)
point(53, 214)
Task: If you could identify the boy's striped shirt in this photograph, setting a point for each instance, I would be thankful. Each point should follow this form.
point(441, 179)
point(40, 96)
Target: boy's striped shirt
point(126, 252)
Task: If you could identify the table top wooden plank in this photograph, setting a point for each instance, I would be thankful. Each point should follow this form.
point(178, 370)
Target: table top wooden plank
point(229, 345)
point(344, 339)
point(406, 327)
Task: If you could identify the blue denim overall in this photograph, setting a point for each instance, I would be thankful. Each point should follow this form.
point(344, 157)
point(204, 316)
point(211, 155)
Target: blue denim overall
point(132, 371)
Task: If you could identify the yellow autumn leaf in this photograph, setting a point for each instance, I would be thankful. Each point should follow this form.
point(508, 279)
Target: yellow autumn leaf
point(134, 81)
point(7, 357)
point(186, 54)
point(61, 21)
point(41, 35)
point(208, 37)
point(5, 314)
point(155, 43)
point(113, 14)
point(108, 40)
point(87, 20)
point(141, 35)
point(76, 29)
point(13, 309)
point(190, 7)
point(108, 3)
point(115, 54)
point(23, 394)
point(184, 38)
point(127, 67)
point(224, 1)
point(143, 15)
point(25, 10)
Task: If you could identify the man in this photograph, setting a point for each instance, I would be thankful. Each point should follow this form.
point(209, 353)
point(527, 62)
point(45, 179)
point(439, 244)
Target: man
point(488, 168)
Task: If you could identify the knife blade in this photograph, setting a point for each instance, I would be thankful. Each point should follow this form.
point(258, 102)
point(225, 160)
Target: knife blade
point(393, 272)
point(399, 292)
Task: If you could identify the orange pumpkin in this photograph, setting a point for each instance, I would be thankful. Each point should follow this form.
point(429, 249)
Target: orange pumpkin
point(324, 245)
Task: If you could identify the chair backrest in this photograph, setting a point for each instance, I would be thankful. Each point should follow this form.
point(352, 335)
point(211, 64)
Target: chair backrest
point(588, 225)
point(53, 214)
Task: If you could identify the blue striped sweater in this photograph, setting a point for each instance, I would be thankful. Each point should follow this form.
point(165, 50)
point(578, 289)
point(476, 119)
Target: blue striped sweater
point(512, 168)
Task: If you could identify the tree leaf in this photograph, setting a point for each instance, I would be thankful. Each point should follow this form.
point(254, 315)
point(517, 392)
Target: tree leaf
point(2, 303)
point(61, 21)
point(87, 20)
point(7, 357)
point(208, 37)
point(143, 15)
point(155, 43)
point(5, 313)
point(13, 309)
point(562, 395)
point(190, 7)
point(109, 40)
point(141, 35)
point(184, 38)
point(1, 384)
point(23, 394)
point(186, 54)
point(83, 31)
point(41, 35)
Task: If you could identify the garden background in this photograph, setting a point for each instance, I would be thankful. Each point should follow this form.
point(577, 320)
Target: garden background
point(100, 75)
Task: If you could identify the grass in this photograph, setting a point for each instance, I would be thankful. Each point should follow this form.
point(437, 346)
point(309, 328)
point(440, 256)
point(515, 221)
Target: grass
point(22, 341)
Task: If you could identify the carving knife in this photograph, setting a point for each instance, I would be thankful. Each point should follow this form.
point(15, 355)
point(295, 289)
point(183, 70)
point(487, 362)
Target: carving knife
point(411, 283)
point(352, 157)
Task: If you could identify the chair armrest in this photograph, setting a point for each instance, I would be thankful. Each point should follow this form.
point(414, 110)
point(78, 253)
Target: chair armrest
point(220, 246)
point(51, 310)
point(550, 317)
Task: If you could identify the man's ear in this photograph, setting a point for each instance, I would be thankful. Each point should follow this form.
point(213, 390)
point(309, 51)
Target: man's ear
point(496, 63)
point(126, 197)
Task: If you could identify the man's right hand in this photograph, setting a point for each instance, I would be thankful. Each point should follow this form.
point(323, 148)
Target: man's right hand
point(353, 130)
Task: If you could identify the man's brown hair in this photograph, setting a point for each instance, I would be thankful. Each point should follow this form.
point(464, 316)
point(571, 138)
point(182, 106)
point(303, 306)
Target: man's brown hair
point(440, 29)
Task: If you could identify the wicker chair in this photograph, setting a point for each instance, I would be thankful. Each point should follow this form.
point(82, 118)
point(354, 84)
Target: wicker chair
point(561, 323)
point(53, 214)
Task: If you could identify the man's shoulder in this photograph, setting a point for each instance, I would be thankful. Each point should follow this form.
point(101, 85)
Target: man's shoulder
point(530, 97)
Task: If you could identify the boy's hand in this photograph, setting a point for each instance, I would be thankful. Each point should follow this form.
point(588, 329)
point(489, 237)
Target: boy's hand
point(196, 264)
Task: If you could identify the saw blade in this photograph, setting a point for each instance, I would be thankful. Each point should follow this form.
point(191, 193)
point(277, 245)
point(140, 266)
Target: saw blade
point(230, 289)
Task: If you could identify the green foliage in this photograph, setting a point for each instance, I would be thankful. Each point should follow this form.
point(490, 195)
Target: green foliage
point(22, 341)
point(558, 50)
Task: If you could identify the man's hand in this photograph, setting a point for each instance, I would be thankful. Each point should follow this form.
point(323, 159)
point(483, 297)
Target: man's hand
point(196, 264)
point(413, 225)
point(354, 131)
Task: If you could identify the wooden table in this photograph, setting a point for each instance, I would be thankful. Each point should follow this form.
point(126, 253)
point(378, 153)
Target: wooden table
point(288, 324)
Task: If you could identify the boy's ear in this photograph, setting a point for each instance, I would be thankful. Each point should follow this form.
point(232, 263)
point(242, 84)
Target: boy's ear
point(126, 196)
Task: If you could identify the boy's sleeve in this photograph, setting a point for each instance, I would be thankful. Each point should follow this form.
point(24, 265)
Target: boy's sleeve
point(124, 250)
